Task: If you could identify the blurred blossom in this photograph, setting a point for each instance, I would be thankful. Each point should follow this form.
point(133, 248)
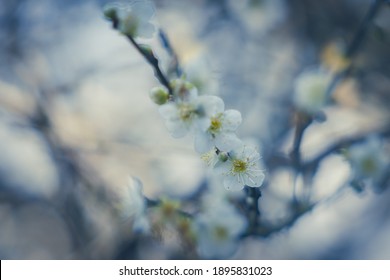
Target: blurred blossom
point(94, 89)
point(368, 159)
point(310, 90)
point(25, 162)
point(175, 168)
point(260, 16)
point(216, 192)
point(198, 72)
point(132, 206)
point(134, 18)
point(217, 230)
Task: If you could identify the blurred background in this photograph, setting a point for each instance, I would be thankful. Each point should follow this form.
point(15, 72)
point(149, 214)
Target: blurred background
point(76, 120)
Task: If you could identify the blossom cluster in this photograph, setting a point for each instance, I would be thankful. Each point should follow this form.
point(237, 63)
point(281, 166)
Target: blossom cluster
point(185, 111)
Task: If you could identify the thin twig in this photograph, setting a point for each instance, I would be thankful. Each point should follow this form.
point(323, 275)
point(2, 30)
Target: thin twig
point(149, 56)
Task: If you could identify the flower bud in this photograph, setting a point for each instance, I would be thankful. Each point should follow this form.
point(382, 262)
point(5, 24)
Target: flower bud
point(110, 12)
point(159, 95)
point(223, 157)
point(129, 25)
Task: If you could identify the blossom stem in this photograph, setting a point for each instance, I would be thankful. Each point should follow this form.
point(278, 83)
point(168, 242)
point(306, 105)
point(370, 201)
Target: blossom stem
point(150, 58)
point(303, 122)
point(153, 61)
point(253, 208)
point(167, 45)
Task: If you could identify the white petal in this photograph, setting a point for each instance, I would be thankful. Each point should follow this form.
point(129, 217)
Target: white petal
point(254, 178)
point(211, 105)
point(146, 30)
point(176, 128)
point(222, 168)
point(203, 142)
point(203, 123)
point(231, 120)
point(143, 9)
point(232, 183)
point(168, 111)
point(249, 151)
point(193, 95)
point(227, 141)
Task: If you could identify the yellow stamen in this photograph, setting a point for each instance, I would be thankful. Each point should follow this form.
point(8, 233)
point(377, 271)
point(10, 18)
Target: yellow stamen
point(239, 166)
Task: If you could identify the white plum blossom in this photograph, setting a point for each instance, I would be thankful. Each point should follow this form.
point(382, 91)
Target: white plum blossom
point(198, 72)
point(188, 111)
point(179, 116)
point(242, 168)
point(218, 229)
point(181, 89)
point(310, 90)
point(368, 159)
point(134, 18)
point(218, 130)
point(132, 206)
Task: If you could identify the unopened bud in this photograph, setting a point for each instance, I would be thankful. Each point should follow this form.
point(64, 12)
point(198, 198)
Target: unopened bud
point(223, 157)
point(110, 12)
point(129, 25)
point(159, 95)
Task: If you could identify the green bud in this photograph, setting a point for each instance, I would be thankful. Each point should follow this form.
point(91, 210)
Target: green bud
point(223, 157)
point(110, 12)
point(129, 25)
point(159, 95)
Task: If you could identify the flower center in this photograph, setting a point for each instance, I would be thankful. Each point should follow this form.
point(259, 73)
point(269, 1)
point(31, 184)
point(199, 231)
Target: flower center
point(185, 112)
point(221, 233)
point(215, 125)
point(369, 165)
point(239, 166)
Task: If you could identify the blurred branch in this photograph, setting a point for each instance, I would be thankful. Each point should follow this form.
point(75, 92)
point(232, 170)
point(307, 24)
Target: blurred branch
point(253, 212)
point(303, 122)
point(71, 175)
point(299, 210)
point(361, 32)
point(357, 41)
point(175, 65)
point(346, 142)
